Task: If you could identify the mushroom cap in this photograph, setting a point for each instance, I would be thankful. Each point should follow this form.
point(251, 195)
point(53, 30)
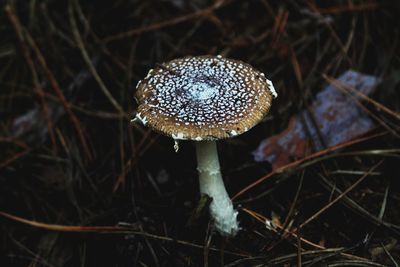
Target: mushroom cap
point(203, 98)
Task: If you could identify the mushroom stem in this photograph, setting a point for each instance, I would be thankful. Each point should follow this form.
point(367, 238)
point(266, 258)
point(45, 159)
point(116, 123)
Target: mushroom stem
point(211, 184)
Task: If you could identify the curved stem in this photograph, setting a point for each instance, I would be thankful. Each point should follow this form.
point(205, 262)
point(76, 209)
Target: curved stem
point(211, 184)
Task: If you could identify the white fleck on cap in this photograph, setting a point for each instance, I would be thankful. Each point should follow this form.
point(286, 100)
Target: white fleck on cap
point(203, 98)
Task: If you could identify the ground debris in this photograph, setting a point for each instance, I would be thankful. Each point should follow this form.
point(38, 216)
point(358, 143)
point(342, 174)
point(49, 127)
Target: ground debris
point(338, 118)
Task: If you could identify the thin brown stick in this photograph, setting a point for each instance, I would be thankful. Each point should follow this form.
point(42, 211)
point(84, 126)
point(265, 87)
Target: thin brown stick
point(299, 249)
point(25, 36)
point(348, 8)
point(105, 230)
point(57, 89)
point(378, 105)
point(300, 161)
point(159, 25)
point(330, 204)
point(120, 181)
point(11, 159)
point(38, 88)
point(86, 59)
point(261, 218)
point(349, 91)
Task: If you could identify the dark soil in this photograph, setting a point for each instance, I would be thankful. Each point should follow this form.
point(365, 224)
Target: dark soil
point(82, 186)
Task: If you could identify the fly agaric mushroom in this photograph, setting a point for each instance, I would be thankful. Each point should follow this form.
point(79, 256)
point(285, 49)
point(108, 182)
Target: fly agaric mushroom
point(204, 99)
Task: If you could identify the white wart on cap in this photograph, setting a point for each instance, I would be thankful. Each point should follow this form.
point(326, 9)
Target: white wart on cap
point(203, 98)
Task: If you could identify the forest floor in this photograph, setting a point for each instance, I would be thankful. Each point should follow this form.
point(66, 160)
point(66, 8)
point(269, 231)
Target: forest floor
point(316, 183)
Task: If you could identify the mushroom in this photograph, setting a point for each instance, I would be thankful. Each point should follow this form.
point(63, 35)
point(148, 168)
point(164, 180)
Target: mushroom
point(204, 99)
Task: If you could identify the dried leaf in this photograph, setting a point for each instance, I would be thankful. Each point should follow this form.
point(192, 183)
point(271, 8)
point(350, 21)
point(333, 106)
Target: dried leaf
point(337, 116)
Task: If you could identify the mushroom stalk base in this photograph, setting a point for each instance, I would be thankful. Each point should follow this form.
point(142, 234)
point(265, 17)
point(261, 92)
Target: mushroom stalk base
point(211, 184)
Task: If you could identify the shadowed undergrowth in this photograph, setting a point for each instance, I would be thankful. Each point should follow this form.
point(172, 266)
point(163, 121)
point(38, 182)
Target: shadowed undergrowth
point(82, 186)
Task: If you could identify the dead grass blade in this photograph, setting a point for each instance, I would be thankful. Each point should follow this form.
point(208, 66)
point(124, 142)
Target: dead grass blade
point(305, 159)
point(11, 12)
point(276, 226)
point(313, 217)
point(156, 26)
point(344, 87)
point(107, 230)
point(86, 58)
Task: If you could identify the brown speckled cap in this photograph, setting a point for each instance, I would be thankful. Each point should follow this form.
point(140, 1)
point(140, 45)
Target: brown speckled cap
point(203, 98)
